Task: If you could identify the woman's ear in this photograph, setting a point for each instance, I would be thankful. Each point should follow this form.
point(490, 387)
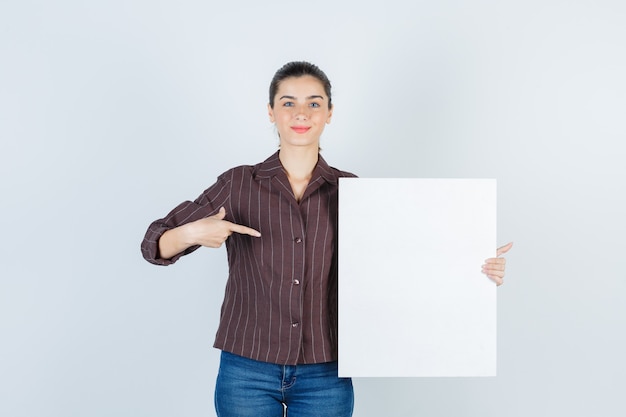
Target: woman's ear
point(270, 113)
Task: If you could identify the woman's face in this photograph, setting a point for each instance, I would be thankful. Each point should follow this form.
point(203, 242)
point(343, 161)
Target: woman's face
point(300, 111)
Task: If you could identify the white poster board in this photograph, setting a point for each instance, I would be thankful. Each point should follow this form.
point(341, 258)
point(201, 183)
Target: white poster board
point(412, 298)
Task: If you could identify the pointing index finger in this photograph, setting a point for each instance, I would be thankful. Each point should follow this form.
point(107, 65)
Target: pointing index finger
point(244, 230)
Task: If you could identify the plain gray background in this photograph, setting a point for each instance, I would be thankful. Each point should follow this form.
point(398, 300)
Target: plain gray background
point(112, 112)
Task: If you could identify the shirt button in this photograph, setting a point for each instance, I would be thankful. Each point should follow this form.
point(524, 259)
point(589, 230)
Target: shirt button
point(296, 282)
point(294, 325)
point(298, 240)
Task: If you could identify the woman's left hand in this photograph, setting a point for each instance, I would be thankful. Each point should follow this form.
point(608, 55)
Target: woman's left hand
point(494, 267)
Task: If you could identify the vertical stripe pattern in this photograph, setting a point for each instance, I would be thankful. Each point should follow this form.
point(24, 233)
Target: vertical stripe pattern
point(280, 303)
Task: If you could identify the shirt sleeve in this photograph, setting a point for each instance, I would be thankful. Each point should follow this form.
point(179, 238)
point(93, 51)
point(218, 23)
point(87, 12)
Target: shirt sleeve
point(207, 204)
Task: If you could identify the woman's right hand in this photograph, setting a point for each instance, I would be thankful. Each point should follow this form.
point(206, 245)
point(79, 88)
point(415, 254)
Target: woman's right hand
point(211, 232)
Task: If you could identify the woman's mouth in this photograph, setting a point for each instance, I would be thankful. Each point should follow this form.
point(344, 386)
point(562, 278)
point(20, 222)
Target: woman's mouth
point(300, 129)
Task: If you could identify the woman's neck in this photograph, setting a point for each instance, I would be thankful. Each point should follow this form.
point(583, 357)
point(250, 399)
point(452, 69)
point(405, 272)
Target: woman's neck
point(298, 162)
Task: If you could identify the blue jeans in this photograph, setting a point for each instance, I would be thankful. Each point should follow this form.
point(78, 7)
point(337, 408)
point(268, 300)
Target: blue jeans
point(249, 388)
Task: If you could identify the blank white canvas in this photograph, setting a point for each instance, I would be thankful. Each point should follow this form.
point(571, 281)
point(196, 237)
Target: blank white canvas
point(412, 299)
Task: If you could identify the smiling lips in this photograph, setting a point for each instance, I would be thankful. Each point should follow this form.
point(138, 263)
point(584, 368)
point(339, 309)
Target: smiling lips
point(300, 129)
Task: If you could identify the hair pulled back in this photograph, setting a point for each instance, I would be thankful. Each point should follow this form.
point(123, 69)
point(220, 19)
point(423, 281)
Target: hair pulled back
point(299, 69)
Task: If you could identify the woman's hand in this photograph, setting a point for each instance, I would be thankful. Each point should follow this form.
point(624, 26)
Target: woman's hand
point(494, 267)
point(211, 232)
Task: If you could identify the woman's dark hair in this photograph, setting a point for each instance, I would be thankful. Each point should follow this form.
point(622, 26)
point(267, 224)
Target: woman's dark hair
point(299, 69)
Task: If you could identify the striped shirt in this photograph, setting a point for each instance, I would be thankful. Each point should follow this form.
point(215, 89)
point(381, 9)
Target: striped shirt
point(280, 304)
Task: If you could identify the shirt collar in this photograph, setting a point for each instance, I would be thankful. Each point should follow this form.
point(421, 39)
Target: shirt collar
point(272, 167)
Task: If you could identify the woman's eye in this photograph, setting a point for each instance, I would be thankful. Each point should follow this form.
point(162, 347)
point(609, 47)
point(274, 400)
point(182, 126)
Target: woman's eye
point(288, 104)
point(315, 105)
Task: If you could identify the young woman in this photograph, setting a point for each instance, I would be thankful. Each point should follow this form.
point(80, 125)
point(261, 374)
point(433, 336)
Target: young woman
point(278, 324)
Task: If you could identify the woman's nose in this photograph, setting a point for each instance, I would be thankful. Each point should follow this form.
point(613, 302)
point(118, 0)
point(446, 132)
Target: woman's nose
point(302, 113)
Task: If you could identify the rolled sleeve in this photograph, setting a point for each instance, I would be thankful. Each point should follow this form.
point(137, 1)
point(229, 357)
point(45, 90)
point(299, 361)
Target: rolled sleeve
point(207, 204)
point(150, 243)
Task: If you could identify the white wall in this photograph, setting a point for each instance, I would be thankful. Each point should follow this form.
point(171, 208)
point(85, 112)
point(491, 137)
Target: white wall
point(112, 112)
